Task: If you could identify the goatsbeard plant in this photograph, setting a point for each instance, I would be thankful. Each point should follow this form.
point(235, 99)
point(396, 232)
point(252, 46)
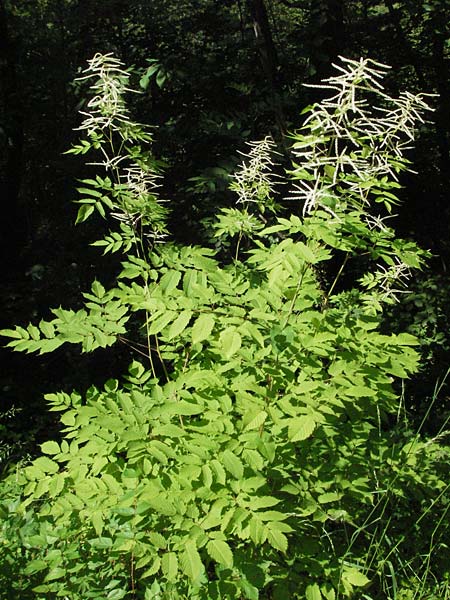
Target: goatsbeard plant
point(247, 453)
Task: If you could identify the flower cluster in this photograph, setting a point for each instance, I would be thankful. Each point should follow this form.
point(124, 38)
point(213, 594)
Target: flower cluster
point(254, 181)
point(347, 148)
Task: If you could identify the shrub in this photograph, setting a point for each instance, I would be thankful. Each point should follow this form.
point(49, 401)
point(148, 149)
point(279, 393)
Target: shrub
point(249, 452)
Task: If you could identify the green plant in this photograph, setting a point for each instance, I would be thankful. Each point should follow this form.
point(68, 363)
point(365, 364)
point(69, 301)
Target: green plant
point(249, 452)
point(424, 312)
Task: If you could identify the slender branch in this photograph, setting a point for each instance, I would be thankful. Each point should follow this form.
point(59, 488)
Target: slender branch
point(336, 279)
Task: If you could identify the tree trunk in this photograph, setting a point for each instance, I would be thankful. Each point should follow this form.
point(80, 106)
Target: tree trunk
point(268, 56)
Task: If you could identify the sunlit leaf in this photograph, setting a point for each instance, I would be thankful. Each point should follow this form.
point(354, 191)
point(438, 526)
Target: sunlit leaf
point(190, 561)
point(301, 428)
point(220, 551)
point(202, 328)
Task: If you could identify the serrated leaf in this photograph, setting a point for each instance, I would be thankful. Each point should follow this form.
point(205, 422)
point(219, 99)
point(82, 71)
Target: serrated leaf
point(169, 430)
point(328, 591)
point(34, 332)
point(180, 324)
point(207, 476)
point(157, 539)
point(306, 253)
point(12, 333)
point(202, 328)
point(47, 329)
point(169, 565)
point(161, 321)
point(272, 515)
point(406, 339)
point(50, 447)
point(55, 573)
point(230, 342)
point(258, 531)
point(220, 475)
point(329, 497)
point(190, 560)
point(250, 591)
point(184, 408)
point(254, 459)
point(89, 191)
point(45, 464)
point(41, 589)
point(263, 502)
point(301, 428)
point(232, 464)
point(360, 391)
point(160, 78)
point(355, 577)
point(101, 339)
point(49, 345)
point(116, 594)
point(252, 330)
point(35, 566)
point(160, 456)
point(313, 592)
point(97, 522)
point(170, 280)
point(276, 539)
point(101, 542)
point(153, 569)
point(254, 421)
point(220, 552)
point(161, 504)
point(97, 289)
point(84, 212)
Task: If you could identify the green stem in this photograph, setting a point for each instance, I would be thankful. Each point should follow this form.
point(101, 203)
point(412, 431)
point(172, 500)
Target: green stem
point(336, 279)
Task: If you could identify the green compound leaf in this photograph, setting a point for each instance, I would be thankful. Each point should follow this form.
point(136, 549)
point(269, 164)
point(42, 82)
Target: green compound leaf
point(191, 562)
point(84, 212)
point(276, 539)
point(47, 465)
point(50, 447)
point(220, 552)
point(202, 328)
point(230, 342)
point(101, 542)
point(179, 325)
point(306, 253)
point(35, 566)
point(157, 539)
point(55, 573)
point(169, 565)
point(301, 428)
point(254, 421)
point(232, 464)
point(116, 594)
point(355, 577)
point(161, 321)
point(313, 592)
point(329, 497)
point(170, 280)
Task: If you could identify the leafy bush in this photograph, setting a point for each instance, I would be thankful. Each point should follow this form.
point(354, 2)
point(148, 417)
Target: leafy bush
point(249, 452)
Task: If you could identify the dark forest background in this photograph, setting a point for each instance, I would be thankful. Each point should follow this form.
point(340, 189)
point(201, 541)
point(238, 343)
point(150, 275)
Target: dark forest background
point(214, 74)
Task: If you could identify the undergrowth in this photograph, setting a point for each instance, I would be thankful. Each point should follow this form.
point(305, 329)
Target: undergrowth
point(256, 448)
